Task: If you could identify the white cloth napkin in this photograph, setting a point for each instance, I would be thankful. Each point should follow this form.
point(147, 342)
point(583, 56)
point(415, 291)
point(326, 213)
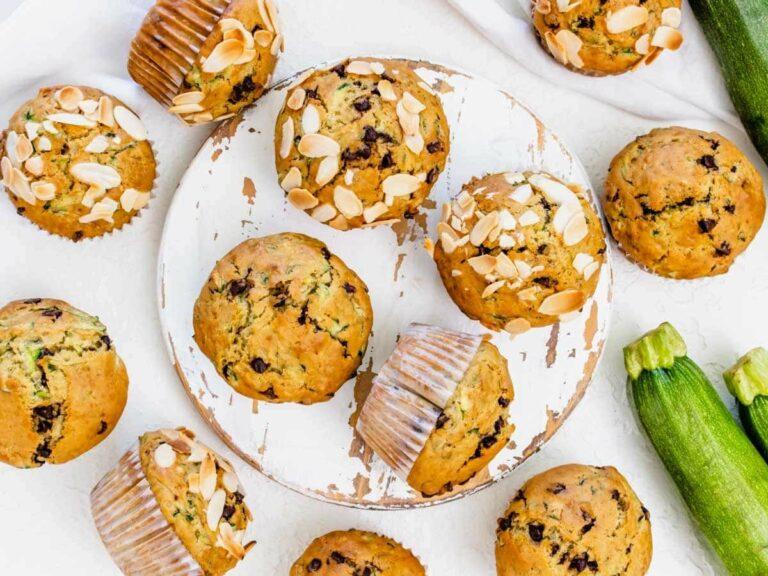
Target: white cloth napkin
point(681, 85)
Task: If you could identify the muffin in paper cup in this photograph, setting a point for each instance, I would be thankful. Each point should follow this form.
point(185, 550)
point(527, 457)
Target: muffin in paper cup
point(205, 60)
point(172, 506)
point(438, 410)
point(77, 162)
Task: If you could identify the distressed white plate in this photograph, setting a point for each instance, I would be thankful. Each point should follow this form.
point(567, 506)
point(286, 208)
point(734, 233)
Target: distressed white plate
point(230, 193)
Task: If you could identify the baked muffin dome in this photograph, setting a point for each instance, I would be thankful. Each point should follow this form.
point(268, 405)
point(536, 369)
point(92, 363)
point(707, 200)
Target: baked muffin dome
point(683, 203)
point(517, 250)
point(284, 320)
point(76, 162)
point(438, 409)
point(361, 143)
point(356, 553)
point(64, 386)
point(172, 506)
point(574, 519)
point(600, 37)
point(206, 60)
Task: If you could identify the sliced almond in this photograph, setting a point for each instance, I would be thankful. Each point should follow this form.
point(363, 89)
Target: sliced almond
point(44, 190)
point(483, 265)
point(339, 223)
point(32, 129)
point(302, 199)
point(327, 170)
point(23, 149)
point(198, 452)
point(223, 55)
point(491, 289)
point(667, 37)
point(263, 37)
point(448, 243)
point(131, 123)
point(215, 509)
point(310, 120)
point(591, 269)
point(228, 540)
point(349, 177)
point(400, 185)
point(49, 127)
point(443, 228)
point(529, 294)
point(555, 192)
point(415, 143)
point(193, 483)
point(193, 97)
point(69, 97)
point(378, 68)
point(446, 212)
point(360, 68)
point(506, 241)
point(581, 261)
point(347, 202)
point(208, 476)
point(88, 107)
point(44, 144)
point(324, 213)
point(7, 168)
point(92, 195)
point(523, 269)
point(555, 47)
point(483, 227)
point(387, 91)
point(528, 218)
point(572, 44)
point(132, 199)
point(230, 482)
point(97, 145)
point(505, 267)
point(643, 44)
point(72, 119)
point(264, 15)
point(563, 216)
point(272, 12)
point(96, 175)
point(626, 19)
point(522, 194)
point(409, 122)
point(286, 139)
point(506, 220)
point(514, 178)
point(164, 456)
point(517, 326)
point(102, 210)
point(277, 44)
point(318, 146)
point(106, 111)
point(562, 302)
point(233, 28)
point(671, 17)
point(19, 185)
point(412, 104)
point(292, 179)
point(34, 165)
point(576, 230)
point(372, 213)
point(542, 6)
point(296, 99)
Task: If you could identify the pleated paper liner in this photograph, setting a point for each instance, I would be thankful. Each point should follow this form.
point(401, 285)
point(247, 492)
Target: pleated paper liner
point(411, 390)
point(168, 43)
point(132, 526)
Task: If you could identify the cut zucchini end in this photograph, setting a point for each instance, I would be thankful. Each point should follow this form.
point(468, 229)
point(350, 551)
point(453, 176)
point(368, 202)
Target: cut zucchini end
point(749, 376)
point(656, 349)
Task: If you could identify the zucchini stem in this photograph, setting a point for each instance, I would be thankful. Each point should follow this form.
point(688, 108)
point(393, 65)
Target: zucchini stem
point(656, 349)
point(749, 376)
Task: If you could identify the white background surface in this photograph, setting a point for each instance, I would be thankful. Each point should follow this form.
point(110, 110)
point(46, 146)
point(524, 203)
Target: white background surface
point(46, 525)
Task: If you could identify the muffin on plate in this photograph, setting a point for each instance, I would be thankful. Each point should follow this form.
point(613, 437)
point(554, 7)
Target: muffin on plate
point(172, 506)
point(438, 409)
point(518, 250)
point(360, 144)
point(574, 519)
point(356, 553)
point(62, 385)
point(683, 203)
point(205, 60)
point(76, 162)
point(284, 320)
point(601, 37)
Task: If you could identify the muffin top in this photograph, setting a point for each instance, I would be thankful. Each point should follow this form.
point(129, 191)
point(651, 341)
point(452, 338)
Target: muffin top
point(64, 386)
point(361, 143)
point(76, 162)
point(356, 553)
point(600, 37)
point(517, 250)
point(683, 203)
point(199, 495)
point(574, 519)
point(472, 428)
point(284, 320)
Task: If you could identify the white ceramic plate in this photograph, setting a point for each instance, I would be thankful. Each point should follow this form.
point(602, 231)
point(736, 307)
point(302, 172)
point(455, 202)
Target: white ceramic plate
point(230, 193)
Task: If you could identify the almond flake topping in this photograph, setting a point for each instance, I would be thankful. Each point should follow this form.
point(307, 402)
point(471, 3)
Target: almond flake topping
point(72, 119)
point(263, 37)
point(277, 45)
point(129, 122)
point(667, 37)
point(483, 227)
point(34, 165)
point(349, 177)
point(132, 199)
point(23, 149)
point(215, 509)
point(88, 107)
point(339, 223)
point(378, 68)
point(7, 167)
point(523, 269)
point(302, 199)
point(44, 190)
point(387, 91)
point(643, 44)
point(165, 456)
point(97, 145)
point(409, 122)
point(310, 120)
point(671, 17)
point(228, 540)
point(491, 289)
point(415, 142)
point(522, 194)
point(411, 104)
point(106, 111)
point(327, 170)
point(96, 175)
point(44, 144)
point(69, 97)
point(372, 213)
point(324, 213)
point(102, 210)
point(296, 99)
point(572, 44)
point(194, 97)
point(543, 6)
point(32, 129)
point(626, 19)
point(576, 230)
point(208, 476)
point(91, 195)
point(19, 184)
point(517, 326)
point(230, 481)
point(506, 242)
point(223, 55)
point(49, 127)
point(562, 302)
point(591, 269)
point(483, 265)
point(232, 28)
point(347, 202)
point(272, 12)
point(317, 145)
point(555, 47)
point(581, 261)
point(514, 178)
point(360, 68)
point(264, 15)
point(528, 218)
point(286, 142)
point(505, 267)
point(292, 179)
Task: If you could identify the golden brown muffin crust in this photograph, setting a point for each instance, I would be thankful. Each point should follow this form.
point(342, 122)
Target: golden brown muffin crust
point(683, 203)
point(574, 519)
point(283, 319)
point(356, 553)
point(63, 385)
point(513, 255)
point(472, 428)
point(601, 37)
point(342, 143)
point(199, 495)
point(77, 206)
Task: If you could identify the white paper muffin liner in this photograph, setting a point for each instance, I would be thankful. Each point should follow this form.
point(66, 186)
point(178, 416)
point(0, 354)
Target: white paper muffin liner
point(411, 391)
point(132, 526)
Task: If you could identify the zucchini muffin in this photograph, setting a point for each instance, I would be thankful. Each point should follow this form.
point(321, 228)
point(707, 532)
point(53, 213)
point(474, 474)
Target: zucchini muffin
point(683, 203)
point(356, 553)
point(205, 60)
point(360, 144)
point(172, 506)
point(518, 250)
point(601, 37)
point(438, 409)
point(63, 386)
point(284, 320)
point(574, 519)
point(76, 162)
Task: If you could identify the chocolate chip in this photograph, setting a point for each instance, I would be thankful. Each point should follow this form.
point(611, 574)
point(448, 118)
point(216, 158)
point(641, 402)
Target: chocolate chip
point(102, 427)
point(106, 340)
point(557, 488)
point(52, 312)
point(340, 71)
point(723, 250)
point(386, 161)
point(706, 225)
point(44, 417)
point(259, 365)
point(370, 134)
point(503, 402)
point(584, 22)
point(506, 522)
point(20, 210)
point(338, 557)
point(545, 281)
point(228, 512)
point(362, 104)
point(435, 146)
point(536, 532)
point(242, 90)
point(646, 514)
point(730, 208)
point(432, 175)
point(325, 252)
point(78, 235)
point(708, 161)
point(314, 565)
point(269, 392)
point(555, 549)
point(588, 526)
point(312, 94)
point(579, 563)
point(304, 314)
point(33, 301)
point(519, 496)
point(42, 452)
point(442, 420)
point(488, 441)
point(237, 287)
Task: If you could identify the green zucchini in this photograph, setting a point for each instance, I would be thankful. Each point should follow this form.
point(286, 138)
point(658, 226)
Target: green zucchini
point(718, 471)
point(747, 380)
point(737, 31)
